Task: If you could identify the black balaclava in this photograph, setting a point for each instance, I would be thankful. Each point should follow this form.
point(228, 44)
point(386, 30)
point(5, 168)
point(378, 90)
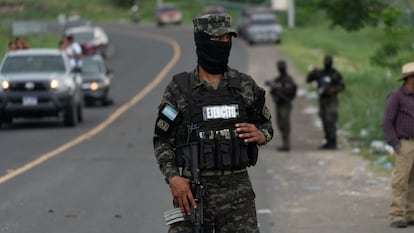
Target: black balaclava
point(281, 66)
point(327, 62)
point(213, 56)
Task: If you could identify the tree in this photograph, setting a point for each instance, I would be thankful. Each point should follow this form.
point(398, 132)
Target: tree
point(354, 15)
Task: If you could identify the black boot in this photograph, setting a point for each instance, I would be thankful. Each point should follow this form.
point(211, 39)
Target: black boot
point(286, 144)
point(329, 145)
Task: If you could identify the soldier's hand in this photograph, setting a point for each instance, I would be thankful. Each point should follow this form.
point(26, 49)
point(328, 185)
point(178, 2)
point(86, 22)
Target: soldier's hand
point(180, 189)
point(332, 90)
point(250, 133)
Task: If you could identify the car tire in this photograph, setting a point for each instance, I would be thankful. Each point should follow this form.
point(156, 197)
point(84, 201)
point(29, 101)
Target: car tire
point(5, 120)
point(70, 116)
point(80, 113)
point(108, 102)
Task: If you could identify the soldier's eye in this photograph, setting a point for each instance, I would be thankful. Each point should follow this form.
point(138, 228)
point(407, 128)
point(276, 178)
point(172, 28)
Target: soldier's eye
point(223, 38)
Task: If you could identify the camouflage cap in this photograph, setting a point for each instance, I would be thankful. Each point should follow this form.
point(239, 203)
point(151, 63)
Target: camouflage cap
point(214, 25)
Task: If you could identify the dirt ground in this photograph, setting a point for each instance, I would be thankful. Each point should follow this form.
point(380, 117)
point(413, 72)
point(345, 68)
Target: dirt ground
point(318, 191)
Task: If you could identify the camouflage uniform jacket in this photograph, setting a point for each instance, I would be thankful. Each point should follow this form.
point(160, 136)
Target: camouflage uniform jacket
point(164, 147)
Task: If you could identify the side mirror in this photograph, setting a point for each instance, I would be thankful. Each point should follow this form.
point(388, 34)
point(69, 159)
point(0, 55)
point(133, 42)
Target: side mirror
point(110, 73)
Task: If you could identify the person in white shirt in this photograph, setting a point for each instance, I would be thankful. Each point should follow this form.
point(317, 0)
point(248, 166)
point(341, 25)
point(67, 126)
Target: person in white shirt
point(74, 51)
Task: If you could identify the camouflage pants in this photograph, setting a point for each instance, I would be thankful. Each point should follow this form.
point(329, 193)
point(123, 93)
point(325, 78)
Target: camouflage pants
point(228, 206)
point(283, 121)
point(329, 115)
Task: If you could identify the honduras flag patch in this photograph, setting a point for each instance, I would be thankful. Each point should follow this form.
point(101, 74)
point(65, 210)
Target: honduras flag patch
point(169, 112)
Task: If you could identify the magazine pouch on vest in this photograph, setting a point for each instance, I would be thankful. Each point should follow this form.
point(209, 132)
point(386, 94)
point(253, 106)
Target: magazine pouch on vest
point(208, 152)
point(253, 154)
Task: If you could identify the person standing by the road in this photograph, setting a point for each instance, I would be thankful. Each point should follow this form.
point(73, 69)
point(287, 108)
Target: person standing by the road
point(12, 46)
point(329, 83)
point(21, 43)
point(74, 51)
point(398, 126)
point(283, 91)
point(222, 111)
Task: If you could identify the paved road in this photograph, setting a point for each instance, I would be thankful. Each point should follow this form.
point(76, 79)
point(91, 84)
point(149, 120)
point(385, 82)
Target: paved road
point(107, 179)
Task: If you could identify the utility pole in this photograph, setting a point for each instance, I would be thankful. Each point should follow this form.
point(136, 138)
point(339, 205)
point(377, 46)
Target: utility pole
point(159, 3)
point(291, 13)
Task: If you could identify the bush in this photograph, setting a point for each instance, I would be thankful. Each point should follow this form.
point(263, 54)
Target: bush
point(122, 3)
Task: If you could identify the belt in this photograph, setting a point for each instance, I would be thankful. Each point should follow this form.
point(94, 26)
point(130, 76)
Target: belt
point(406, 138)
point(187, 173)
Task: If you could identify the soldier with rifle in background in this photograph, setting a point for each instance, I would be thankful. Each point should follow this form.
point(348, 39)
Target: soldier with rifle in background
point(329, 83)
point(283, 91)
point(209, 125)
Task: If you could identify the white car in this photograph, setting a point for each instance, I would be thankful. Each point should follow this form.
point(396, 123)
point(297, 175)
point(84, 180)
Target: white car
point(260, 26)
point(91, 37)
point(39, 83)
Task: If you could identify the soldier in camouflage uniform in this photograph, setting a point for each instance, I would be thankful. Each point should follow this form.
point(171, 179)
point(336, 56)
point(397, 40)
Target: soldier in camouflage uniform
point(283, 90)
point(223, 111)
point(330, 83)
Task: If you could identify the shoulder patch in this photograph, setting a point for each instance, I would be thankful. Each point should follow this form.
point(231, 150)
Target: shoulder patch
point(169, 112)
point(164, 126)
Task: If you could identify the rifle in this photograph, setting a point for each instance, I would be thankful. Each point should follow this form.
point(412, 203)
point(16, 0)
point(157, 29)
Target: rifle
point(197, 217)
point(276, 92)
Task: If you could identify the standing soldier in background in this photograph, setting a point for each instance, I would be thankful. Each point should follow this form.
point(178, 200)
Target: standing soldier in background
point(220, 112)
point(283, 90)
point(398, 126)
point(329, 83)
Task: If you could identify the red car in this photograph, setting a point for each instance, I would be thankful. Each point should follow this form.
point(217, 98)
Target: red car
point(168, 14)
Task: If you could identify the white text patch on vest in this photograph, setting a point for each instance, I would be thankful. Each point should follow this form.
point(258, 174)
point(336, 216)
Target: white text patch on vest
point(220, 112)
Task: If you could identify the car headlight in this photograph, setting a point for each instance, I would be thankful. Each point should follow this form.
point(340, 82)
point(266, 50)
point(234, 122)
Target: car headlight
point(54, 84)
point(5, 85)
point(94, 86)
point(61, 85)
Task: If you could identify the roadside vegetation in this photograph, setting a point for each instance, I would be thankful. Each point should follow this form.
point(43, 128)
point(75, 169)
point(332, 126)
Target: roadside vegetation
point(369, 54)
point(369, 45)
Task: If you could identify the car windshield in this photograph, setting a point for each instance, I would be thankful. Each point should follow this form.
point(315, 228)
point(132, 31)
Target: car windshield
point(75, 23)
point(213, 10)
point(91, 66)
point(83, 36)
point(33, 63)
point(168, 9)
point(263, 19)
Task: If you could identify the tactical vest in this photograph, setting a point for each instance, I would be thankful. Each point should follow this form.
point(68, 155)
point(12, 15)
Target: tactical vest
point(210, 123)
